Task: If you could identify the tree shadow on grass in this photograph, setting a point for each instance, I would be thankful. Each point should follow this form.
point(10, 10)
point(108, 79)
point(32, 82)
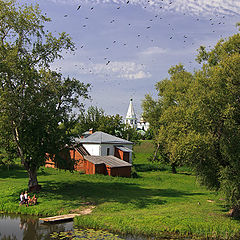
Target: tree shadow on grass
point(13, 173)
point(100, 192)
point(18, 172)
point(148, 167)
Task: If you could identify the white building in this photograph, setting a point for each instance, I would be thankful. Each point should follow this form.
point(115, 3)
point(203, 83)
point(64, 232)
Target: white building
point(143, 125)
point(131, 119)
point(104, 144)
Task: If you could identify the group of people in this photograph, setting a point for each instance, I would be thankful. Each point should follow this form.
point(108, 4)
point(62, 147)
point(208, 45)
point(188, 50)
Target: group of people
point(27, 200)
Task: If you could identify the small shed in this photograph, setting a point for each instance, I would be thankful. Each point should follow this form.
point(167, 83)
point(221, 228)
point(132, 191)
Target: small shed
point(108, 165)
point(123, 153)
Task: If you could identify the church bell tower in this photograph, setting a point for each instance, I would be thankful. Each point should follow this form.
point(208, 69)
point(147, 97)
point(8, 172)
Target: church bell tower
point(131, 118)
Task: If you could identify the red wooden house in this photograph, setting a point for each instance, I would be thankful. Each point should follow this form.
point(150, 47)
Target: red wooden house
point(112, 165)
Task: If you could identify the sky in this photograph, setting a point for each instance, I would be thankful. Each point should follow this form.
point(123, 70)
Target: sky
point(124, 47)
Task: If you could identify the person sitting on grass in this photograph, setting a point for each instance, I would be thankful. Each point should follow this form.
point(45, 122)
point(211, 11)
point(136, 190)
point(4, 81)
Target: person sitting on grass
point(21, 199)
point(34, 200)
point(29, 200)
point(26, 198)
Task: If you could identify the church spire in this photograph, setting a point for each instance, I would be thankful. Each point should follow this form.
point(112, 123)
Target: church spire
point(131, 118)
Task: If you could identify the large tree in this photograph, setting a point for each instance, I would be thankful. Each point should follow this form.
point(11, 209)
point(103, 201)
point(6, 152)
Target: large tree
point(35, 102)
point(199, 122)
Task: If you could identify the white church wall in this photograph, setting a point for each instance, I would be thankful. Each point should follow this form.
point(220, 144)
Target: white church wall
point(93, 149)
point(104, 148)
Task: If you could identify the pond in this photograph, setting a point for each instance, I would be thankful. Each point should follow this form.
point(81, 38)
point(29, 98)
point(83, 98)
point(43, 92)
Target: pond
point(22, 227)
point(17, 227)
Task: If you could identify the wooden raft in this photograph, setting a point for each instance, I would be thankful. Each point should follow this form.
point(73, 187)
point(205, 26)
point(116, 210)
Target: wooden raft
point(66, 217)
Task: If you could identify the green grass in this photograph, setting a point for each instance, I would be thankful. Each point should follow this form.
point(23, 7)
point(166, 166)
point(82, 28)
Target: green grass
point(157, 203)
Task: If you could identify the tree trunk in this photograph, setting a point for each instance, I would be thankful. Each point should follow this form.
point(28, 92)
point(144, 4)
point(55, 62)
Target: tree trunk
point(156, 152)
point(33, 185)
point(173, 166)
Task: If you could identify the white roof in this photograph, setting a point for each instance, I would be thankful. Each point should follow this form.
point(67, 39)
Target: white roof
point(124, 149)
point(102, 137)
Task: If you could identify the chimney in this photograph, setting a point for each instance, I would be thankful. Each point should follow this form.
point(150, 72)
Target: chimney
point(91, 131)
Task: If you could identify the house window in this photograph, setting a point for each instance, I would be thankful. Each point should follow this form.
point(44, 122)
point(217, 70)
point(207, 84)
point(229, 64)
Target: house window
point(108, 151)
point(131, 121)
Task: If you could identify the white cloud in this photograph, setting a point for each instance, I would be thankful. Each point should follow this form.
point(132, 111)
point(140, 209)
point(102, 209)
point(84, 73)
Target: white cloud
point(192, 7)
point(121, 70)
point(137, 75)
point(153, 50)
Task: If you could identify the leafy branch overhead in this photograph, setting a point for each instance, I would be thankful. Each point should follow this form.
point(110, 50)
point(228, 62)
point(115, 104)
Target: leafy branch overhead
point(36, 102)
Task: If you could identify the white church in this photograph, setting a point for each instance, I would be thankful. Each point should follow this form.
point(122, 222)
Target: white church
point(131, 119)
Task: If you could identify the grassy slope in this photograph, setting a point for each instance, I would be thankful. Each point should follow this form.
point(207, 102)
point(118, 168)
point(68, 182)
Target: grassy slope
point(155, 202)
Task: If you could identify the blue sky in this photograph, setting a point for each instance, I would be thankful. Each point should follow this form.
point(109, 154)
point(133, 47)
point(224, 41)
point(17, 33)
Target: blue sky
point(125, 46)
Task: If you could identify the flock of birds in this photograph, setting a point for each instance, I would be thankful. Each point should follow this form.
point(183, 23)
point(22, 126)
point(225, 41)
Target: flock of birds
point(140, 37)
point(173, 33)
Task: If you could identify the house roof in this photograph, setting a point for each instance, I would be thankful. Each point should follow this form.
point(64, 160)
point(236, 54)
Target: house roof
point(110, 161)
point(102, 137)
point(82, 150)
point(124, 149)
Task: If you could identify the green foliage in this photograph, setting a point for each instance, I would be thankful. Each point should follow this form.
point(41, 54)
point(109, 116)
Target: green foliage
point(199, 121)
point(97, 120)
point(156, 204)
point(152, 112)
point(85, 234)
point(36, 103)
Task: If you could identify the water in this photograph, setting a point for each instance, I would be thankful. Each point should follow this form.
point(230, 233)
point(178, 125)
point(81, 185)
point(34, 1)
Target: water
point(22, 227)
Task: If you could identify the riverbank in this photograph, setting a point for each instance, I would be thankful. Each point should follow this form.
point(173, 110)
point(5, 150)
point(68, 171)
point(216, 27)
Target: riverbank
point(154, 204)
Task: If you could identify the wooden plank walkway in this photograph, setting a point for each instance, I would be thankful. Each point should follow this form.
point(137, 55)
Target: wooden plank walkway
point(67, 217)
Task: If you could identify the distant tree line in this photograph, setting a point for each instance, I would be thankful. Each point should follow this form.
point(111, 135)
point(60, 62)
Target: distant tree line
point(96, 119)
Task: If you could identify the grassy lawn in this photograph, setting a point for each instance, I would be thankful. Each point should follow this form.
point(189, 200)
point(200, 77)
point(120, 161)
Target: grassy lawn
point(155, 203)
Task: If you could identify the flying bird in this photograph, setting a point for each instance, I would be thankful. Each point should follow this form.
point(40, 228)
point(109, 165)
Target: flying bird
point(79, 7)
